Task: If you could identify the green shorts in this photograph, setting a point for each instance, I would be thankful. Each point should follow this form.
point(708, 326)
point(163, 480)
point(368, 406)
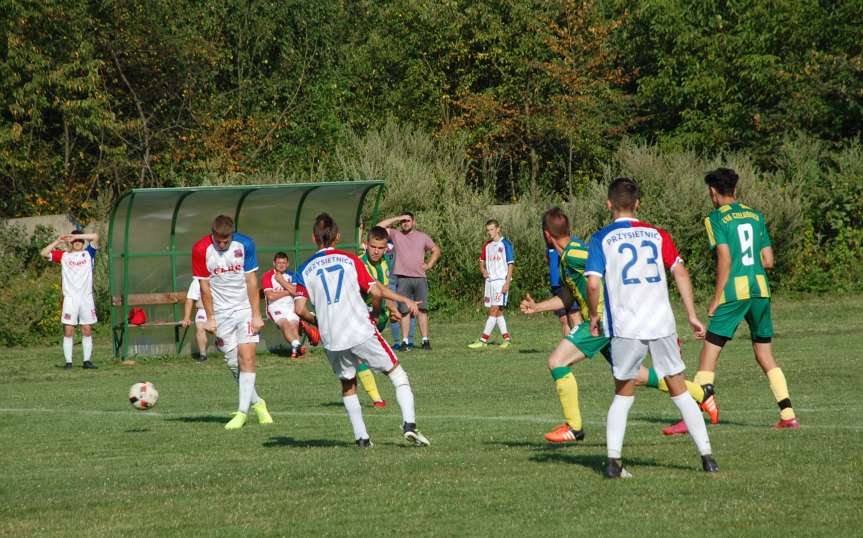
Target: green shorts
point(756, 312)
point(588, 344)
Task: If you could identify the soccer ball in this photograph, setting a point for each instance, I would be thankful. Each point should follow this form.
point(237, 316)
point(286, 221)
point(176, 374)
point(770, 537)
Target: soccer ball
point(143, 395)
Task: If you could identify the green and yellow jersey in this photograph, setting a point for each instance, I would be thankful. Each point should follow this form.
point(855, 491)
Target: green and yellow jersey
point(744, 231)
point(572, 263)
point(381, 272)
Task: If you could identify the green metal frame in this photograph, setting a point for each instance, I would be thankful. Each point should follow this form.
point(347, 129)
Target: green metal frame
point(121, 326)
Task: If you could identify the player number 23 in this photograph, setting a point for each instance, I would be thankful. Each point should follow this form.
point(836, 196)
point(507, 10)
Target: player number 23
point(652, 256)
point(322, 273)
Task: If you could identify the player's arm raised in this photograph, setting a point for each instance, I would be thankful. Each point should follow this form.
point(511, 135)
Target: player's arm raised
point(46, 252)
point(386, 223)
point(684, 286)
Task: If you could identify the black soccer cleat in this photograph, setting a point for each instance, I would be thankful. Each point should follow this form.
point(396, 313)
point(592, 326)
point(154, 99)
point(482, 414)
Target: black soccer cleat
point(615, 469)
point(426, 345)
point(365, 443)
point(67, 366)
point(709, 464)
point(89, 366)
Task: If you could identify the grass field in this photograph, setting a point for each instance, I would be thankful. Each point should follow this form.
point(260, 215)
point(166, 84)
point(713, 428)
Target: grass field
point(77, 460)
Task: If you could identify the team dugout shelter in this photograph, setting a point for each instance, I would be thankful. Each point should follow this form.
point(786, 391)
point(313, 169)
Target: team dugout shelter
point(151, 233)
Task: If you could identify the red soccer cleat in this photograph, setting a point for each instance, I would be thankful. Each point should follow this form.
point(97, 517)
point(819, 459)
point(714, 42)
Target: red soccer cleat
point(564, 434)
point(677, 429)
point(379, 404)
point(790, 424)
point(312, 332)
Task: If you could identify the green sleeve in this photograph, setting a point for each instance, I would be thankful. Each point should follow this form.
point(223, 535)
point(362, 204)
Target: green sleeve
point(715, 230)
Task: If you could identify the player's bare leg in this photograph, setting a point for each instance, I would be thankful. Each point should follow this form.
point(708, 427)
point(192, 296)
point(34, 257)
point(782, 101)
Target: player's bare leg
point(405, 324)
point(291, 332)
point(355, 412)
point(87, 346)
point(423, 322)
point(202, 341)
point(560, 363)
point(764, 356)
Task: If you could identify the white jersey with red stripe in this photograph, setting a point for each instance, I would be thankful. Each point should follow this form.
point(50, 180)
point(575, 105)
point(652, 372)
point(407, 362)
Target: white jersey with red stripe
point(76, 269)
point(269, 282)
point(497, 255)
point(631, 256)
point(226, 270)
point(334, 281)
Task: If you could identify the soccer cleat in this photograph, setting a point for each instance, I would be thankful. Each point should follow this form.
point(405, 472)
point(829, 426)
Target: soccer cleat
point(262, 412)
point(709, 464)
point(615, 469)
point(87, 365)
point(479, 344)
point(201, 358)
point(67, 366)
point(564, 434)
point(237, 422)
point(380, 404)
point(426, 345)
point(790, 424)
point(298, 352)
point(677, 429)
point(412, 435)
point(506, 344)
point(407, 346)
point(709, 404)
point(365, 443)
point(312, 332)
point(397, 346)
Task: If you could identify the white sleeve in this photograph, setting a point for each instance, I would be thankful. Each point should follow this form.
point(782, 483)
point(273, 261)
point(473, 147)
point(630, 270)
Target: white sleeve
point(194, 292)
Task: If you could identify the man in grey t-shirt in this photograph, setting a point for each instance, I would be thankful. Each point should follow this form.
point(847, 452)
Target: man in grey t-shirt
point(410, 246)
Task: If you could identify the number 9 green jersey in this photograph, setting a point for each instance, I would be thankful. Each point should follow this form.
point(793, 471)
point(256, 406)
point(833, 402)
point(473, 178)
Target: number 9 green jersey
point(743, 230)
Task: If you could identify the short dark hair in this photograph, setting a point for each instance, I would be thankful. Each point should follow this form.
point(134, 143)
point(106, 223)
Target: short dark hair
point(325, 230)
point(556, 223)
point(280, 256)
point(492, 221)
point(408, 213)
point(223, 226)
point(378, 233)
point(724, 180)
point(623, 192)
point(77, 232)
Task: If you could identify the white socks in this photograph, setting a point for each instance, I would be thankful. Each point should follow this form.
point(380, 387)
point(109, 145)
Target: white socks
point(489, 327)
point(616, 426)
point(404, 394)
point(694, 422)
point(68, 343)
point(501, 324)
point(87, 346)
point(295, 344)
point(247, 389)
point(355, 415)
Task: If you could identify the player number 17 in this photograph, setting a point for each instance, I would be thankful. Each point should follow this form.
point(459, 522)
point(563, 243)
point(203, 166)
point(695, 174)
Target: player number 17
point(322, 273)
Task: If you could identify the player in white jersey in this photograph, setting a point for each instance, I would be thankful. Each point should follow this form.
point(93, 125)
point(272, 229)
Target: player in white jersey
point(496, 263)
point(225, 263)
point(627, 261)
point(334, 281)
point(193, 299)
point(76, 271)
point(279, 289)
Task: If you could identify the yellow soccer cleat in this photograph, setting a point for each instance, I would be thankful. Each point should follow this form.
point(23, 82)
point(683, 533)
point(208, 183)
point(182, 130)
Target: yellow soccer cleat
point(479, 344)
point(237, 422)
point(261, 411)
point(506, 344)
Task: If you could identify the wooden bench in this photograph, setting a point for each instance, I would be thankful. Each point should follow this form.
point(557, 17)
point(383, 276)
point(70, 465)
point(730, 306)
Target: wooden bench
point(148, 299)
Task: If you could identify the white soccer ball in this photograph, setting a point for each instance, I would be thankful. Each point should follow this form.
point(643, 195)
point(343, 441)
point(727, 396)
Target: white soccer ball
point(143, 395)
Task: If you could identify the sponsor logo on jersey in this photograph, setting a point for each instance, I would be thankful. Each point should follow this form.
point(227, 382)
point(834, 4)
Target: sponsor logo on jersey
point(228, 269)
point(238, 253)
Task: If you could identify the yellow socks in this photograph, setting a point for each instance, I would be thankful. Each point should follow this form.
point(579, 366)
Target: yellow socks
point(567, 392)
point(780, 392)
point(703, 377)
point(367, 380)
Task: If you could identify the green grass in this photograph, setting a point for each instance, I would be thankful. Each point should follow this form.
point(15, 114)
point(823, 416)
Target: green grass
point(77, 460)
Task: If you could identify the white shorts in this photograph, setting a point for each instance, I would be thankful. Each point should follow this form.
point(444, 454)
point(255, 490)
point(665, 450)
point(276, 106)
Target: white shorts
point(280, 311)
point(494, 295)
point(234, 328)
point(627, 355)
point(78, 311)
point(201, 316)
point(375, 352)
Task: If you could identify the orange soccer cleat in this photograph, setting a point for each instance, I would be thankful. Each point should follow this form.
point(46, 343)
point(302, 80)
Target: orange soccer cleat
point(709, 404)
point(312, 332)
point(564, 434)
